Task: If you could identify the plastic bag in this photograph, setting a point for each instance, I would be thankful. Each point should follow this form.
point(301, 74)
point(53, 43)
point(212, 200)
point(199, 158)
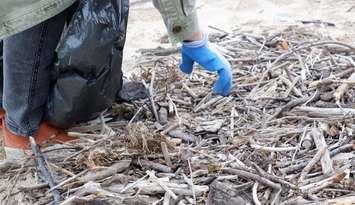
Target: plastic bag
point(88, 71)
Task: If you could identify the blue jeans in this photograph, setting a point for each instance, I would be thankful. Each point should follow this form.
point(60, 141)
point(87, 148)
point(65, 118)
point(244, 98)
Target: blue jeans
point(28, 64)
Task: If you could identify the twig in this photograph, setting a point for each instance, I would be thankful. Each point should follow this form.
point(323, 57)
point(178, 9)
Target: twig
point(151, 94)
point(310, 165)
point(309, 45)
point(273, 177)
point(135, 115)
point(314, 187)
point(255, 177)
point(58, 186)
point(208, 96)
point(43, 167)
point(61, 169)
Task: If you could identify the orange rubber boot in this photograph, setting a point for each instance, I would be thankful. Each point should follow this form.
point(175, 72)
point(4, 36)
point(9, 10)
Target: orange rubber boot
point(18, 147)
point(45, 136)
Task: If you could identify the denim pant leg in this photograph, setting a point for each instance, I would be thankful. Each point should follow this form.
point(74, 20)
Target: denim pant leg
point(28, 61)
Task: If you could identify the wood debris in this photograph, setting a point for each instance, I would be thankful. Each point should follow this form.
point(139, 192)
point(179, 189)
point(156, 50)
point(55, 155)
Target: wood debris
point(284, 136)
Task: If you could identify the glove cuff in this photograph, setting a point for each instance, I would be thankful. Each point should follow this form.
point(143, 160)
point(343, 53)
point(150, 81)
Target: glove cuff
point(197, 44)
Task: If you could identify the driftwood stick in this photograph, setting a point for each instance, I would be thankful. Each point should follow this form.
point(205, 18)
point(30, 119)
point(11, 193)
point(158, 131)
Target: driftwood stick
point(43, 167)
point(309, 45)
point(323, 112)
point(320, 83)
point(326, 161)
point(198, 106)
point(166, 188)
point(293, 104)
point(61, 169)
point(135, 115)
point(33, 187)
point(255, 194)
point(273, 177)
point(291, 86)
point(132, 185)
point(310, 165)
point(151, 93)
point(166, 199)
point(153, 165)
point(152, 188)
point(208, 103)
point(273, 149)
point(192, 182)
point(346, 200)
point(109, 171)
point(255, 177)
point(58, 186)
point(314, 187)
point(189, 91)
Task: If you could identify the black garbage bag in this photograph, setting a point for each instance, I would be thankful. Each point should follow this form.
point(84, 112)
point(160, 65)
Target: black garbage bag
point(88, 71)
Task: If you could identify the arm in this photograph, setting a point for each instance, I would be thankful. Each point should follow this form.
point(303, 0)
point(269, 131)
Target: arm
point(180, 18)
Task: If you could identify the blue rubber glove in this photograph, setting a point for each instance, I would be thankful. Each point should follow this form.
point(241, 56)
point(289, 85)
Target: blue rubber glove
point(201, 53)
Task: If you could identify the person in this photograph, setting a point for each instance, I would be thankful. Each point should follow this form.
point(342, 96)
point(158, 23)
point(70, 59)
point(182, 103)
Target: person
point(31, 30)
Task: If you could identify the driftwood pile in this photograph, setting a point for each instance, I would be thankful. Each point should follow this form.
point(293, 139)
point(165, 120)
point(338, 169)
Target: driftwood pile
point(285, 135)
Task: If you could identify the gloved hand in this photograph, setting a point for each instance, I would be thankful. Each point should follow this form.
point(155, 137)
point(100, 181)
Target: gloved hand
point(201, 53)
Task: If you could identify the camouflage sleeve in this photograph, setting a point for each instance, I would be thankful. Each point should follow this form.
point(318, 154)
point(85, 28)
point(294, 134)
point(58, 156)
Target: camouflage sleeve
point(180, 18)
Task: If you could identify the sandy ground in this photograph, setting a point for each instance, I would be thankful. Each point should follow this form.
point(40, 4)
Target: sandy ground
point(146, 27)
